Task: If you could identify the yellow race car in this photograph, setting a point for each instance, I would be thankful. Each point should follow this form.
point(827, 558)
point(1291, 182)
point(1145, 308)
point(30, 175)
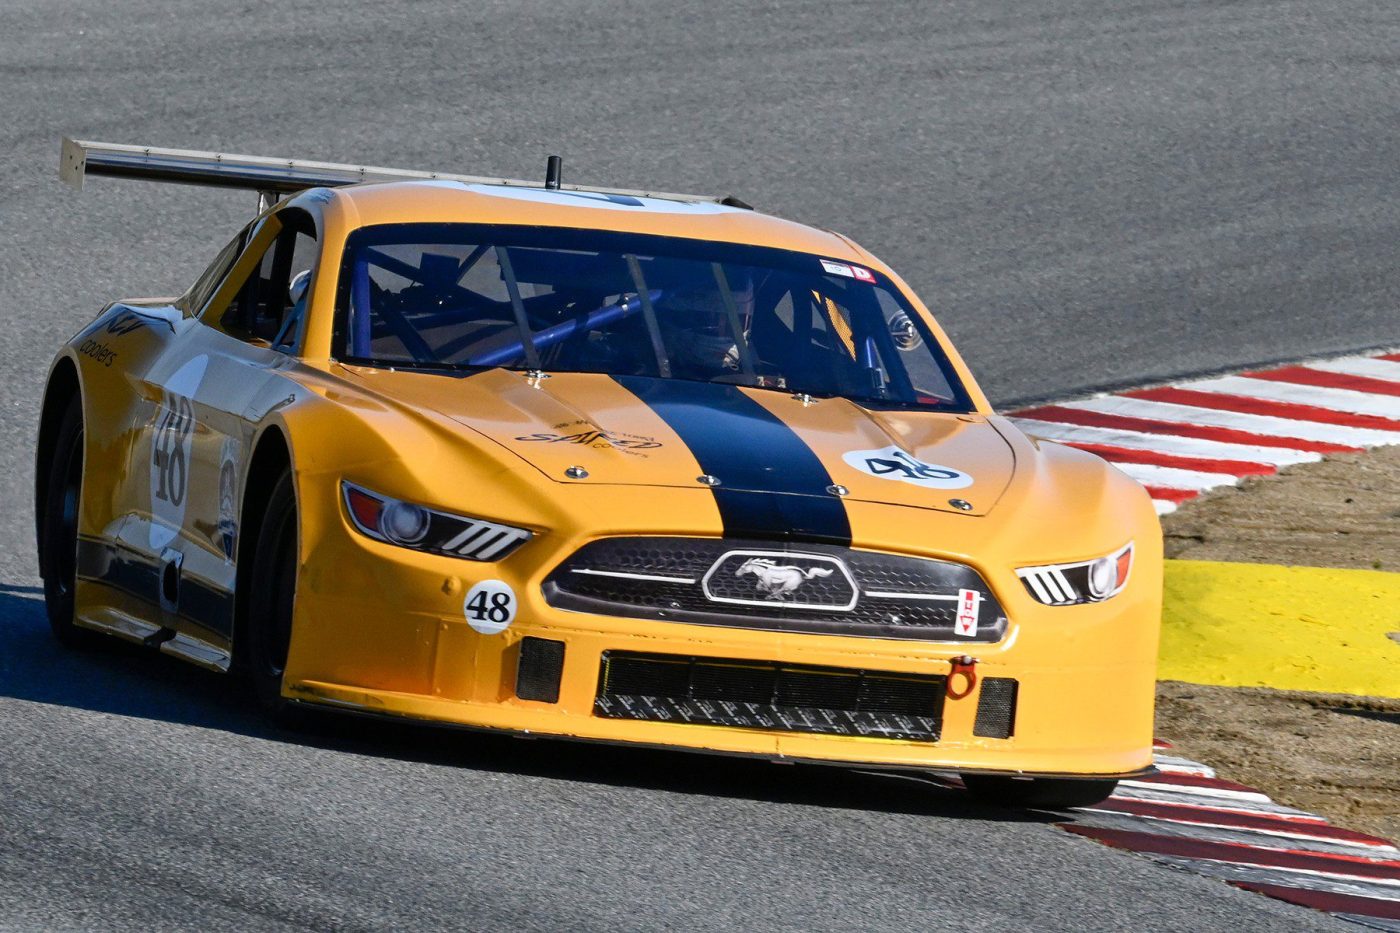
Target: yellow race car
point(595, 464)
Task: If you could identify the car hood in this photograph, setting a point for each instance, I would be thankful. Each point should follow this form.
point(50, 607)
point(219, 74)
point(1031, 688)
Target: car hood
point(669, 433)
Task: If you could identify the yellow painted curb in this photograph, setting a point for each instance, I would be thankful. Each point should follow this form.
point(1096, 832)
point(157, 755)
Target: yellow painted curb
point(1290, 628)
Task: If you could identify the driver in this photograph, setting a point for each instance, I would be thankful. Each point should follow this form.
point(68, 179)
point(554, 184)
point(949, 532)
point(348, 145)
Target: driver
point(698, 328)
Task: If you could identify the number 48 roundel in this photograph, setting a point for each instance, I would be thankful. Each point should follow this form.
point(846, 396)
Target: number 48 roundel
point(490, 607)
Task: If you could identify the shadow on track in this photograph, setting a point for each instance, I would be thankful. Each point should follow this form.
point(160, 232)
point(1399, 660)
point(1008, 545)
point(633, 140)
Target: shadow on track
point(126, 680)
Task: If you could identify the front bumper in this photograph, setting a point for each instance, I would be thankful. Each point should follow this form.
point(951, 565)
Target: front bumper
point(380, 630)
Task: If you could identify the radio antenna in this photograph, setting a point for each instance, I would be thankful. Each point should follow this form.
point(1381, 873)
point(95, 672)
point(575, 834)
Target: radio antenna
point(553, 172)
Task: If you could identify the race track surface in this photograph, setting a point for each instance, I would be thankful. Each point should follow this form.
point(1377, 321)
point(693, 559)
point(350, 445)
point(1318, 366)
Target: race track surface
point(1087, 194)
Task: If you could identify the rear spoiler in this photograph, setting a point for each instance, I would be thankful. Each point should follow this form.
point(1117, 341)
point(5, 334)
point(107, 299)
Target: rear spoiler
point(272, 178)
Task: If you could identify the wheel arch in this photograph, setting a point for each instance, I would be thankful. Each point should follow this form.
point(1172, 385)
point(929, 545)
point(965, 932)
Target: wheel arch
point(62, 388)
point(272, 456)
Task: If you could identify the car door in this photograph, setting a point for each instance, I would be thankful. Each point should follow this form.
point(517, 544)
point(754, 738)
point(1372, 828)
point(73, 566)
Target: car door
point(214, 386)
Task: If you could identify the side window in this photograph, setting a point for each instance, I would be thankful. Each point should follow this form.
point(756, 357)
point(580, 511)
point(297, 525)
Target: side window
point(264, 297)
point(203, 288)
point(304, 252)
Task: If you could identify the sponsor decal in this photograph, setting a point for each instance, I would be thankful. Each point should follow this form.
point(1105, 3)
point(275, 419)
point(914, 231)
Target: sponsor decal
point(119, 320)
point(969, 607)
point(172, 440)
point(125, 323)
point(490, 607)
point(849, 271)
point(597, 199)
point(593, 437)
point(228, 497)
point(893, 463)
point(98, 351)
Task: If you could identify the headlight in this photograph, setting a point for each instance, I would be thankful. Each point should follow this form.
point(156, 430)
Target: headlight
point(423, 529)
point(1088, 581)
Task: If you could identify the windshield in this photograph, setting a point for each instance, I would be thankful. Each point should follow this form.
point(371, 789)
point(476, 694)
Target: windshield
point(469, 296)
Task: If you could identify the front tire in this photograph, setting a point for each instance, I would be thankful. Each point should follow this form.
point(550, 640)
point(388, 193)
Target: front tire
point(271, 596)
point(1038, 793)
point(58, 558)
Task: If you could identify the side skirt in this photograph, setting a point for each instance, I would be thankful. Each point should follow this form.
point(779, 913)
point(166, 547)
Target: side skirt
point(135, 578)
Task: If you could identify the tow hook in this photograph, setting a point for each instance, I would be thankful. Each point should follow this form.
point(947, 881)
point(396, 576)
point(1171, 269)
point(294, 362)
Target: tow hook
point(967, 667)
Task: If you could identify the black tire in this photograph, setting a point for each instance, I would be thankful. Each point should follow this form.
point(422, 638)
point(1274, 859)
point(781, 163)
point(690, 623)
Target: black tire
point(271, 594)
point(58, 557)
point(1038, 793)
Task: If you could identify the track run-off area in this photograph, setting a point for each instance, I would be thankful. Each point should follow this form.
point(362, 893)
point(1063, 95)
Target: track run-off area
point(1090, 195)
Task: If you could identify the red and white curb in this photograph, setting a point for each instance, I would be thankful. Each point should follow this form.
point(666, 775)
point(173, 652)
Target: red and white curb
point(1182, 439)
point(1188, 818)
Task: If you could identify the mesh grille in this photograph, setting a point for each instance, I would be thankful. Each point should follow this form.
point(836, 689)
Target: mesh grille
point(540, 669)
point(699, 580)
point(996, 709)
point(768, 695)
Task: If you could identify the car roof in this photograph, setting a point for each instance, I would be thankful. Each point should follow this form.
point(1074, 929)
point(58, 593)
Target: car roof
point(441, 201)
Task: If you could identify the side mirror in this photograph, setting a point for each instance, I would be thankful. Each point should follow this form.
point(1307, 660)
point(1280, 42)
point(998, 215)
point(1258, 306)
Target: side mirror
point(906, 335)
point(299, 283)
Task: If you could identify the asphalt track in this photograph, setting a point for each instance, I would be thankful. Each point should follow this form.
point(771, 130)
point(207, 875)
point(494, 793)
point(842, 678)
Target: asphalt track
point(1087, 193)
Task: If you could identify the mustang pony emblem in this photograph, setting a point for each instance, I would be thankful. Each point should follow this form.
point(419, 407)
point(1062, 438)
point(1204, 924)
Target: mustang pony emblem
point(777, 582)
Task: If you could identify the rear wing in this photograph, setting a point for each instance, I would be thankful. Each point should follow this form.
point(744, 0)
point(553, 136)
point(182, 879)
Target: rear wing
point(272, 178)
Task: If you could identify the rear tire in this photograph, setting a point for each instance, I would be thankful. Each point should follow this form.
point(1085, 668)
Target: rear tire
point(271, 596)
point(1038, 793)
point(58, 560)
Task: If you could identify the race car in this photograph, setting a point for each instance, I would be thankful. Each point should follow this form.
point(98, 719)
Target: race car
point(585, 463)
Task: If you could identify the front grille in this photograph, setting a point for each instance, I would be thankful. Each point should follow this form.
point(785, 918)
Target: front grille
point(754, 584)
point(769, 695)
point(996, 709)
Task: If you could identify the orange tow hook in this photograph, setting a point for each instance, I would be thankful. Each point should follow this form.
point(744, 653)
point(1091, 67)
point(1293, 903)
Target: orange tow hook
point(967, 667)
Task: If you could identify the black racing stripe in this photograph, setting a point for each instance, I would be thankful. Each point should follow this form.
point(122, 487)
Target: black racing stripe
point(772, 485)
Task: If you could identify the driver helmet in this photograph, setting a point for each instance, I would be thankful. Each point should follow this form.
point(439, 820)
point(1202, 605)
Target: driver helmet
point(699, 332)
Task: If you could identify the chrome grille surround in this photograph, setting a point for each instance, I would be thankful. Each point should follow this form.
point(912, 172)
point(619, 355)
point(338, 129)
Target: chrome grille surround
point(696, 581)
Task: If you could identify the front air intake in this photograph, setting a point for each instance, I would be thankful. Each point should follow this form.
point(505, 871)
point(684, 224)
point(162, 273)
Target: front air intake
point(770, 695)
point(539, 670)
point(996, 709)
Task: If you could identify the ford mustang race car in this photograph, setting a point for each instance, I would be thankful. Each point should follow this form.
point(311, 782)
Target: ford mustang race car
point(595, 464)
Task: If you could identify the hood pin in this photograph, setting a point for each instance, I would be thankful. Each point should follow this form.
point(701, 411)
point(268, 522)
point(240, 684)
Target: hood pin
point(707, 480)
point(962, 504)
point(576, 472)
point(838, 490)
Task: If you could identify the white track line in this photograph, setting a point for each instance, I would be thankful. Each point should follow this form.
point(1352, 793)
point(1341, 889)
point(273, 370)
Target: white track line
point(1360, 366)
point(1163, 506)
point(1239, 421)
point(1358, 403)
point(1164, 443)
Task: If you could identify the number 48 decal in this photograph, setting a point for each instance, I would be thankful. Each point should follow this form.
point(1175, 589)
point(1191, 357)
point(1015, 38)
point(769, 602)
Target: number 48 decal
point(169, 451)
